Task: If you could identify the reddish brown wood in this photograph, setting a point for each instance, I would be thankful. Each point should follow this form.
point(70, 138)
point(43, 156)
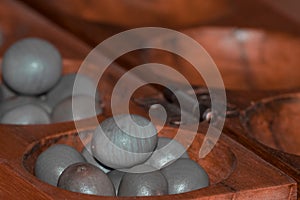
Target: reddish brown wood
point(94, 23)
point(19, 188)
point(278, 119)
point(268, 126)
point(96, 20)
point(266, 14)
point(235, 172)
point(247, 59)
point(250, 60)
point(140, 13)
point(228, 166)
point(19, 21)
point(288, 8)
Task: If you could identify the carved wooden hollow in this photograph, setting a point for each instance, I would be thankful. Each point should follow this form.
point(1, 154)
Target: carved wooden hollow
point(219, 164)
point(248, 59)
point(275, 122)
point(249, 165)
point(227, 167)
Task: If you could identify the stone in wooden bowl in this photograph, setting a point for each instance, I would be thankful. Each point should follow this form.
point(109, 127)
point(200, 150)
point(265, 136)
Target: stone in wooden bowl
point(57, 101)
point(228, 166)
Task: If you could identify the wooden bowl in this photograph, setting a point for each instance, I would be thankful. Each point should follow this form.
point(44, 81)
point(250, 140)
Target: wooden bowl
point(275, 122)
point(235, 172)
point(268, 126)
point(137, 13)
point(218, 169)
point(227, 165)
point(248, 59)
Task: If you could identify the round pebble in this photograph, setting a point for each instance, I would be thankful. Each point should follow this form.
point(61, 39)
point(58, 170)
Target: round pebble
point(143, 184)
point(86, 178)
point(64, 110)
point(53, 161)
point(166, 152)
point(6, 93)
point(31, 66)
point(17, 101)
point(87, 154)
point(116, 176)
point(124, 146)
point(185, 175)
point(64, 89)
point(25, 115)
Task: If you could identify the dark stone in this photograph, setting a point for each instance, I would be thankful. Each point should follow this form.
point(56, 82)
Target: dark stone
point(53, 161)
point(86, 178)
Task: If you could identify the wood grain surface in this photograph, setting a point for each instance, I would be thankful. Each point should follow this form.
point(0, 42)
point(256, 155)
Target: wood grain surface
point(243, 165)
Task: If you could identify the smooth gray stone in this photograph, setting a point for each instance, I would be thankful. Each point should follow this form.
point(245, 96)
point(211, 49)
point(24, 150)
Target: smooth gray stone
point(13, 102)
point(17, 101)
point(116, 176)
point(25, 115)
point(64, 89)
point(53, 161)
point(143, 184)
point(64, 110)
point(185, 175)
point(127, 146)
point(87, 179)
point(5, 92)
point(87, 154)
point(167, 154)
point(31, 66)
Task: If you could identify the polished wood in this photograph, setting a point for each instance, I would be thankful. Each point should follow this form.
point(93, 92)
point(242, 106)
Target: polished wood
point(18, 21)
point(263, 14)
point(140, 13)
point(242, 168)
point(228, 166)
point(248, 59)
point(95, 20)
point(268, 126)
